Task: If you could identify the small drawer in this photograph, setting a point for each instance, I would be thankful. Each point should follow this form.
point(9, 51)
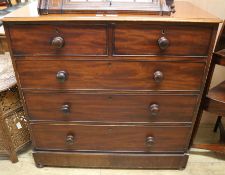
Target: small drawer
point(58, 39)
point(118, 75)
point(128, 108)
point(162, 40)
point(128, 138)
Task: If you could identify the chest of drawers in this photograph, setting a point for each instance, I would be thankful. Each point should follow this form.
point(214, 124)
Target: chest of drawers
point(112, 92)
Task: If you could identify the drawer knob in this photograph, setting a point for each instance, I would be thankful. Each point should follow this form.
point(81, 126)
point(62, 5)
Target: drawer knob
point(154, 109)
point(58, 42)
point(150, 141)
point(163, 43)
point(61, 76)
point(70, 139)
point(158, 76)
point(65, 109)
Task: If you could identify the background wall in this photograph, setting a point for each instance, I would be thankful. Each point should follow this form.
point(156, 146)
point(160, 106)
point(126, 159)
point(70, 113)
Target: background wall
point(217, 8)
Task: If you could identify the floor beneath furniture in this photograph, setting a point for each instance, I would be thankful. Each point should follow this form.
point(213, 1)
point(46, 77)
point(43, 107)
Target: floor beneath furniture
point(201, 162)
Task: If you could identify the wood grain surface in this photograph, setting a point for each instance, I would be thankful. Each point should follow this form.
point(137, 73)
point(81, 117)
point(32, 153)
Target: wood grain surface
point(130, 108)
point(127, 138)
point(120, 75)
point(78, 39)
point(143, 40)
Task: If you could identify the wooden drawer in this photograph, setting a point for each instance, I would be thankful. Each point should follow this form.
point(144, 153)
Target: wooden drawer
point(119, 75)
point(143, 40)
point(110, 107)
point(42, 40)
point(110, 138)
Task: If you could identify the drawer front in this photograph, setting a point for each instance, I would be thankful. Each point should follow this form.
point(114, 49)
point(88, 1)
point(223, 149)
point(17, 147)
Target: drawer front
point(109, 138)
point(110, 107)
point(119, 75)
point(174, 40)
point(59, 39)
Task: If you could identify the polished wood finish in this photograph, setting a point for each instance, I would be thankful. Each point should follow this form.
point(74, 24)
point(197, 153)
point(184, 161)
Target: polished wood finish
point(145, 40)
point(118, 75)
point(111, 160)
point(130, 108)
point(127, 138)
point(117, 91)
point(77, 39)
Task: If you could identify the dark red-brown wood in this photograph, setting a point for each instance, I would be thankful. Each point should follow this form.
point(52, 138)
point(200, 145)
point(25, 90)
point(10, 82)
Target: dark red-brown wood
point(143, 40)
point(118, 75)
point(110, 160)
point(110, 107)
point(122, 68)
point(78, 39)
point(124, 138)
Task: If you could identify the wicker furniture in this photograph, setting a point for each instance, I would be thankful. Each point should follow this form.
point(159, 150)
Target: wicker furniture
point(13, 124)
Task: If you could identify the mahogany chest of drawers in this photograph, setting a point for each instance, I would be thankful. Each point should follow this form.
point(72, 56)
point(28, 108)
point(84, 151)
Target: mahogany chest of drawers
point(112, 91)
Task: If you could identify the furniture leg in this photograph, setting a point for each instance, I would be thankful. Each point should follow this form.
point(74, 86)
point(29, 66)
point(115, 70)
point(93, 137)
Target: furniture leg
point(222, 133)
point(13, 156)
point(218, 121)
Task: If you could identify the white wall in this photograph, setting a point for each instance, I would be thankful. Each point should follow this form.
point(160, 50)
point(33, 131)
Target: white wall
point(216, 7)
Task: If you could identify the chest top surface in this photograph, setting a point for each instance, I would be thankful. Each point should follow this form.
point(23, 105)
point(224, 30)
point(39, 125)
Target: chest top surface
point(185, 12)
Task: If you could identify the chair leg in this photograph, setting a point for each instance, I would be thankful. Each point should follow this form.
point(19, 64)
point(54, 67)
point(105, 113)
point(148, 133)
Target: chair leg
point(222, 133)
point(218, 121)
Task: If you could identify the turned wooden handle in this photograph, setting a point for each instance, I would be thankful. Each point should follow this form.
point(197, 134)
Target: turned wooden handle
point(61, 76)
point(158, 76)
point(58, 42)
point(163, 43)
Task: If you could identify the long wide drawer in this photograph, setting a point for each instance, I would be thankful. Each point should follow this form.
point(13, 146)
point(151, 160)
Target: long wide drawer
point(118, 75)
point(110, 107)
point(177, 40)
point(127, 138)
point(58, 39)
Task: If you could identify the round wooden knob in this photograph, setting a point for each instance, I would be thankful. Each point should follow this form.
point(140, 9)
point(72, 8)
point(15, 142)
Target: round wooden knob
point(150, 141)
point(154, 109)
point(158, 76)
point(70, 139)
point(58, 42)
point(65, 109)
point(61, 76)
point(163, 43)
